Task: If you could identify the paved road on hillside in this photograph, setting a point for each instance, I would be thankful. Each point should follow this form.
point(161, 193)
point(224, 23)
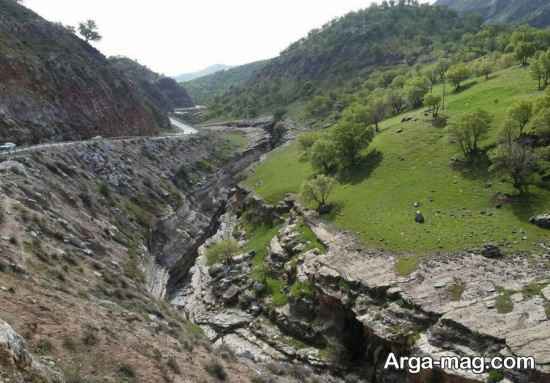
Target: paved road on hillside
point(180, 126)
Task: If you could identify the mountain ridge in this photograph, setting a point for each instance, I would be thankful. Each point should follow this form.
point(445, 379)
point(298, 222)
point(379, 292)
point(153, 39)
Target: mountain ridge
point(533, 12)
point(211, 69)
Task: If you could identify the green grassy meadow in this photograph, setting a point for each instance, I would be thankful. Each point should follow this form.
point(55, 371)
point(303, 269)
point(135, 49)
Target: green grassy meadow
point(414, 166)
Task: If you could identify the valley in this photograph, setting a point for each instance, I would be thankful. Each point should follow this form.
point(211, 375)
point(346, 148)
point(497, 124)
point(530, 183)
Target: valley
point(380, 188)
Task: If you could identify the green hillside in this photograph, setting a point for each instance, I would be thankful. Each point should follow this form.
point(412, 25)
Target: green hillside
point(413, 165)
point(205, 89)
point(339, 55)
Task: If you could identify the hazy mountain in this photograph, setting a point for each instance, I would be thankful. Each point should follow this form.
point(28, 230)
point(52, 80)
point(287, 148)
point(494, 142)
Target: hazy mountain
point(534, 12)
point(205, 72)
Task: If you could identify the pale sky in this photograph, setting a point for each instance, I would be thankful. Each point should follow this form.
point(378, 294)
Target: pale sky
point(179, 36)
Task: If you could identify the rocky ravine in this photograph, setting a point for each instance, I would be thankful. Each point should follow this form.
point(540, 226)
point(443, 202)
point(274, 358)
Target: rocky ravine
point(347, 308)
point(83, 258)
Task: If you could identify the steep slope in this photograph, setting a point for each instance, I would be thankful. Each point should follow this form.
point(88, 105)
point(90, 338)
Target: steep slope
point(54, 86)
point(533, 12)
point(74, 265)
point(164, 93)
point(201, 73)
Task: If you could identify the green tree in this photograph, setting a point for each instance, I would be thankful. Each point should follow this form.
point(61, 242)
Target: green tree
point(351, 135)
point(323, 155)
point(469, 130)
point(434, 103)
point(317, 190)
point(88, 30)
point(541, 123)
point(457, 74)
point(377, 109)
point(484, 68)
point(523, 51)
point(306, 140)
point(415, 90)
point(516, 161)
point(537, 72)
point(395, 99)
point(521, 112)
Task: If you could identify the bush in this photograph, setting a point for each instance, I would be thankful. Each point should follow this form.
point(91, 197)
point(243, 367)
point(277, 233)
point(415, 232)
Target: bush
point(222, 252)
point(216, 370)
point(172, 363)
point(317, 190)
point(469, 131)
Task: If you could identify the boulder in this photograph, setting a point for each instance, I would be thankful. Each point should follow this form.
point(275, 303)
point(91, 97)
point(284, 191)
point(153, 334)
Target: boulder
point(419, 218)
point(541, 220)
point(12, 348)
point(491, 251)
point(230, 295)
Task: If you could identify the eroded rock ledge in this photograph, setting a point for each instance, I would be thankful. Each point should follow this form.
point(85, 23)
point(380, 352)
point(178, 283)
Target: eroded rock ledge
point(347, 308)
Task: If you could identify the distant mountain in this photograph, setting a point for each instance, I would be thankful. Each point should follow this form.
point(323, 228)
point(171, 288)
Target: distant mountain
point(533, 12)
point(205, 72)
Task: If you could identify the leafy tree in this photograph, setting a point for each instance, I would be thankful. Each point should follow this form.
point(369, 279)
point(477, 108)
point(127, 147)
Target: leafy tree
point(442, 67)
point(319, 107)
point(323, 155)
point(306, 140)
point(524, 50)
point(537, 72)
point(88, 30)
point(484, 68)
point(518, 162)
point(317, 190)
point(541, 123)
point(395, 99)
point(377, 109)
point(351, 136)
point(521, 112)
point(457, 74)
point(434, 103)
point(415, 90)
point(469, 130)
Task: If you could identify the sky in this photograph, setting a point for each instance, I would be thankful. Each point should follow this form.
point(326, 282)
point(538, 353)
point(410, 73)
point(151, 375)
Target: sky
point(179, 36)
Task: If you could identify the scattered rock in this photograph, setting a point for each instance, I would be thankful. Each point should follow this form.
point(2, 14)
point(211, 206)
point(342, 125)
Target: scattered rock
point(419, 218)
point(230, 295)
point(546, 293)
point(541, 220)
point(491, 251)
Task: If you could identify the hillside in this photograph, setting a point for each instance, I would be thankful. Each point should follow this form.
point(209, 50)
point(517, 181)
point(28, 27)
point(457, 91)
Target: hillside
point(201, 73)
point(533, 12)
point(343, 52)
point(206, 89)
point(55, 86)
point(163, 93)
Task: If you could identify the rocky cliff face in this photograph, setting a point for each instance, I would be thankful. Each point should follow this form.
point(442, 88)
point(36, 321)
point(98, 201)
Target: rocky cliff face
point(54, 86)
point(346, 308)
point(534, 12)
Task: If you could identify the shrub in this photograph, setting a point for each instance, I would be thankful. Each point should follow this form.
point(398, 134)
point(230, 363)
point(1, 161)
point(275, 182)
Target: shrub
point(222, 251)
point(216, 370)
point(127, 371)
point(469, 131)
point(317, 190)
point(172, 363)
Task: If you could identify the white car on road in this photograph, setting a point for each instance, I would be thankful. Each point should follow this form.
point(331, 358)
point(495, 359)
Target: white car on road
point(7, 147)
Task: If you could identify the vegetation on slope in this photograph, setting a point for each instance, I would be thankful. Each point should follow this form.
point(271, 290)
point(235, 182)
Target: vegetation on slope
point(533, 12)
point(343, 52)
point(208, 89)
point(377, 200)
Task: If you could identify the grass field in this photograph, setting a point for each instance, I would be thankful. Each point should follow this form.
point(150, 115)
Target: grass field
point(414, 166)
